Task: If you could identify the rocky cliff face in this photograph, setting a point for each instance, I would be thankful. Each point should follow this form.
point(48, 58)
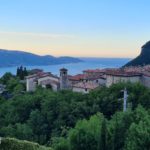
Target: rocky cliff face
point(143, 58)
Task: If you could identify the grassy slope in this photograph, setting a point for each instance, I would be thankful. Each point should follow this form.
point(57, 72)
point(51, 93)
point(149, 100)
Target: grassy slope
point(14, 144)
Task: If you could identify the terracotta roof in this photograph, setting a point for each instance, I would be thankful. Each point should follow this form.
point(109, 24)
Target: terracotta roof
point(41, 75)
point(34, 71)
point(123, 73)
point(94, 77)
point(94, 71)
point(80, 77)
point(45, 74)
point(31, 76)
point(86, 85)
point(77, 77)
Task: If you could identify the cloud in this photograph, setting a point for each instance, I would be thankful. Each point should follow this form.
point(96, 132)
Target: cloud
point(41, 35)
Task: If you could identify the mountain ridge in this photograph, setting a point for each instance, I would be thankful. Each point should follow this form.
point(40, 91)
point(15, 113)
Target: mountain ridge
point(143, 58)
point(15, 58)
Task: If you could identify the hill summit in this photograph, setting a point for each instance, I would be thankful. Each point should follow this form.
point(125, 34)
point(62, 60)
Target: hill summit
point(143, 58)
point(17, 58)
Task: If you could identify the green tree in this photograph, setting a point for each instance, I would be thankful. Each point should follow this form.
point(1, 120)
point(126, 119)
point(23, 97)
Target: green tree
point(139, 132)
point(117, 130)
point(39, 127)
point(103, 138)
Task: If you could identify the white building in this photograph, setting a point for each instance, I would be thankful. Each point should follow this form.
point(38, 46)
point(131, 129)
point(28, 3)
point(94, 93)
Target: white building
point(42, 79)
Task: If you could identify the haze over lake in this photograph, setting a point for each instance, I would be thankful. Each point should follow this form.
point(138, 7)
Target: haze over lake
point(76, 68)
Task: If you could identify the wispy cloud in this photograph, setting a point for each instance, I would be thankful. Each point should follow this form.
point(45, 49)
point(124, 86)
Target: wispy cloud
point(42, 35)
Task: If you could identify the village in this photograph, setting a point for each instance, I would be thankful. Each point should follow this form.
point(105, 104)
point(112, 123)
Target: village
point(89, 79)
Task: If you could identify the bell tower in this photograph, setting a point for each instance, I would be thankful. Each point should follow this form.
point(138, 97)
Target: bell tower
point(63, 78)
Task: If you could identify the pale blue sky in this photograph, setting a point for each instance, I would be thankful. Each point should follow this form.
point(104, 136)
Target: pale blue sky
point(98, 28)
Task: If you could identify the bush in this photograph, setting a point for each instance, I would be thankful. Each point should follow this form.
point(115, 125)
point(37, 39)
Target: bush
point(14, 144)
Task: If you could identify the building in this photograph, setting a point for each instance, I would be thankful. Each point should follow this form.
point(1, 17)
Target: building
point(89, 80)
point(84, 87)
point(116, 76)
point(145, 80)
point(64, 82)
point(43, 79)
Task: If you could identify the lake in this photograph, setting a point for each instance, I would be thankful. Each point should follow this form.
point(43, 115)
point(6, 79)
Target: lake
point(75, 68)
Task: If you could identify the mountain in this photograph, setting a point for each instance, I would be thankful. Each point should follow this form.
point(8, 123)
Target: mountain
point(16, 58)
point(143, 58)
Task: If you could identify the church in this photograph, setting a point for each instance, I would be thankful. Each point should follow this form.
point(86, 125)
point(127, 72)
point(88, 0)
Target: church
point(48, 80)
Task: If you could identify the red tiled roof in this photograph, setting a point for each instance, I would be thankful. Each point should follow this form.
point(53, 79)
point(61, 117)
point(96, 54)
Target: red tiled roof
point(41, 75)
point(77, 77)
point(80, 77)
point(94, 71)
point(34, 71)
point(31, 76)
point(123, 73)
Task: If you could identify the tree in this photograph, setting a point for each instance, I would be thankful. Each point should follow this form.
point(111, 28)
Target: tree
point(103, 138)
point(38, 125)
point(139, 132)
point(6, 77)
point(85, 135)
point(21, 72)
point(117, 129)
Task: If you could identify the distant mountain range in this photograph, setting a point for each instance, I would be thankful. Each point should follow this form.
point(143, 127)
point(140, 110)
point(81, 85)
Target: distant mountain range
point(16, 58)
point(143, 58)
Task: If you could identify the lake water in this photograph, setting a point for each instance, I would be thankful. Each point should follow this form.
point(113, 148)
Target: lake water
point(75, 68)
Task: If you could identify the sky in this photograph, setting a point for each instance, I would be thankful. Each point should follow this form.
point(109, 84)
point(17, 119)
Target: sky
point(81, 28)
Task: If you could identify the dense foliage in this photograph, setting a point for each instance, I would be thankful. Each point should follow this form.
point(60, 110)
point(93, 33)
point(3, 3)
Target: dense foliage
point(14, 144)
point(73, 121)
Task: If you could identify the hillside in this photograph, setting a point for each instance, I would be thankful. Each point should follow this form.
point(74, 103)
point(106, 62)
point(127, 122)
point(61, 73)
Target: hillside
point(14, 144)
point(143, 58)
point(16, 58)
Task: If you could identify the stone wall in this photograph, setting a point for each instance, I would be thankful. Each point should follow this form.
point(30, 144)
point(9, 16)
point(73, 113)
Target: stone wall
point(30, 84)
point(145, 81)
point(110, 79)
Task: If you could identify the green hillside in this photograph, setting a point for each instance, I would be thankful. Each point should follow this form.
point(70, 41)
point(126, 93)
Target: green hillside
point(14, 144)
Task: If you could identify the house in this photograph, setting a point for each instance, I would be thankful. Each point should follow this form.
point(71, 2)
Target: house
point(48, 80)
point(94, 71)
point(89, 80)
point(84, 87)
point(145, 80)
point(44, 79)
point(116, 76)
point(139, 74)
